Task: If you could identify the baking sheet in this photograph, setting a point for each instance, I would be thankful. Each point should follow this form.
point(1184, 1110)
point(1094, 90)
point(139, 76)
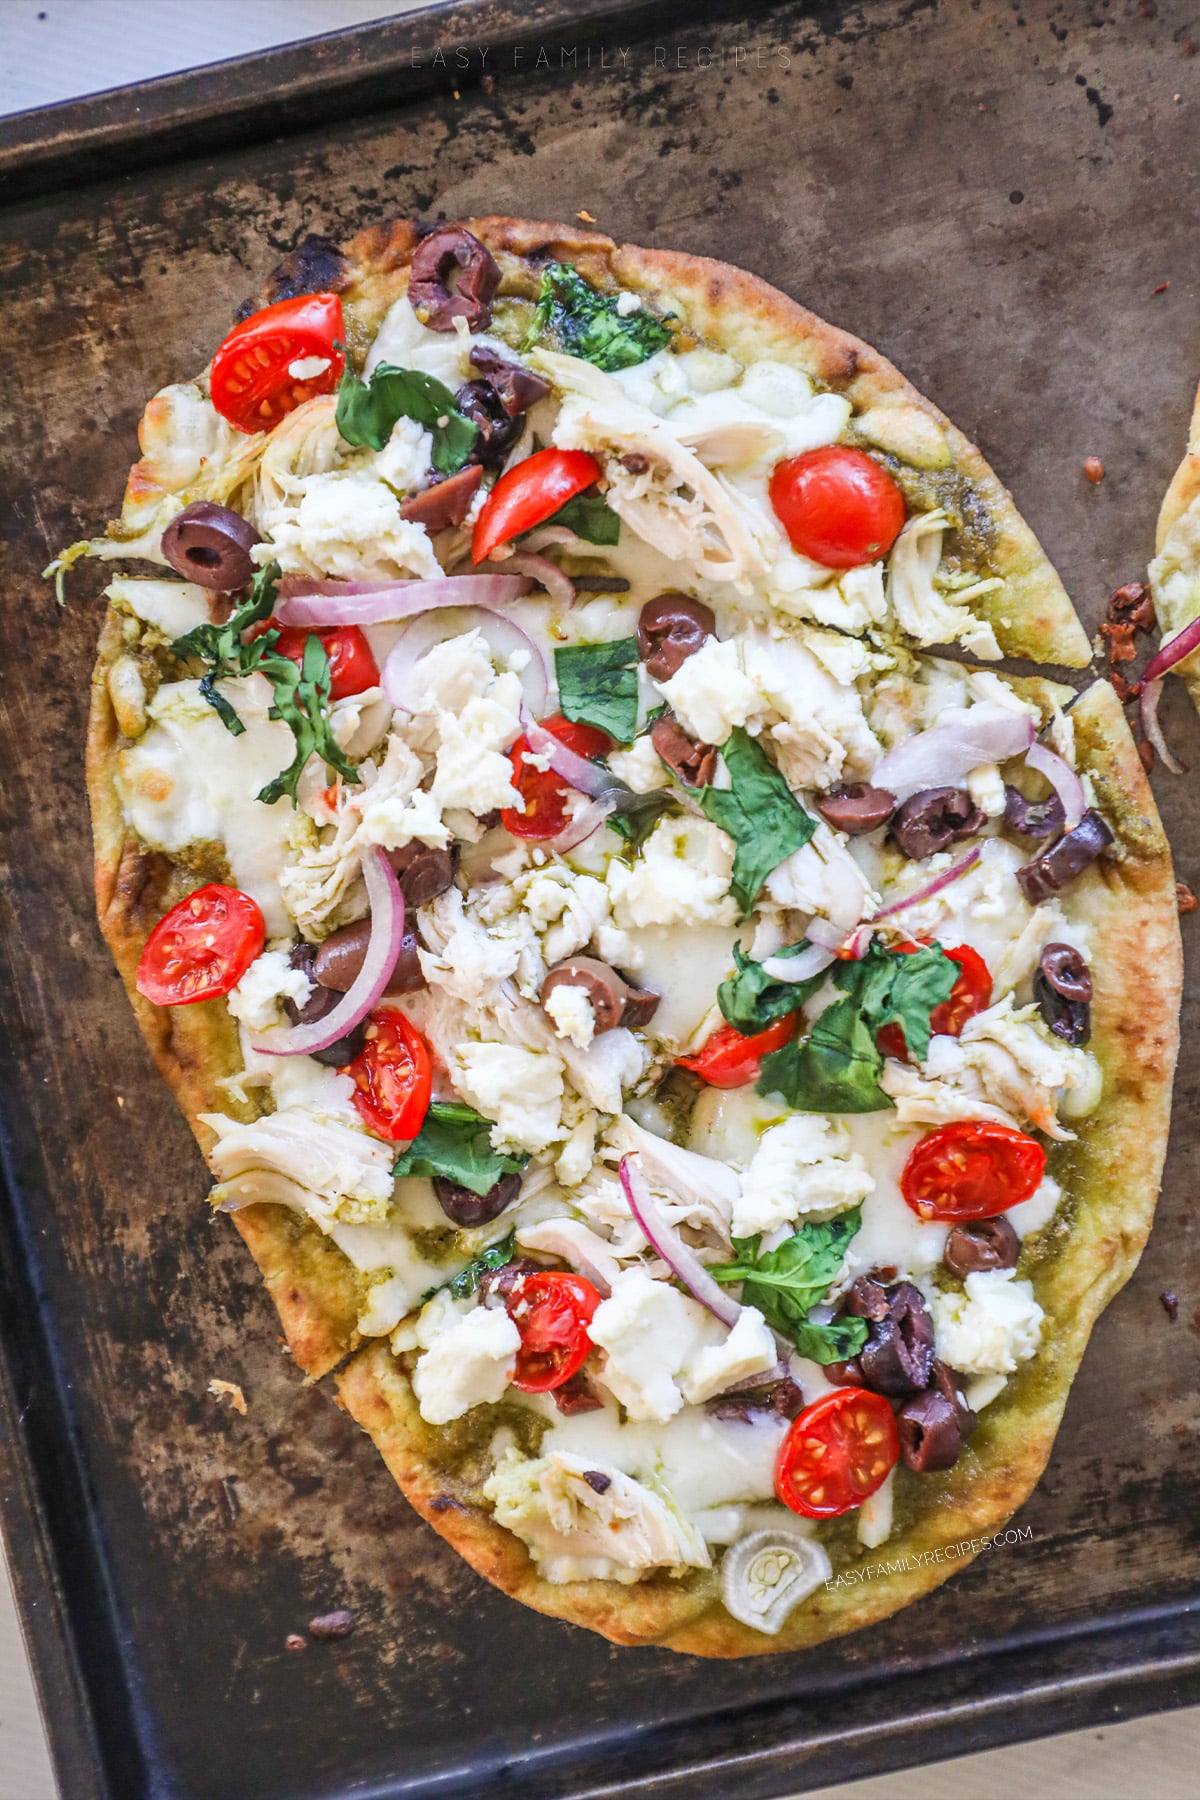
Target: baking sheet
point(990, 195)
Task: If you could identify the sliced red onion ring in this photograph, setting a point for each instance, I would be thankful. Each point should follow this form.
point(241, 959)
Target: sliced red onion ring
point(1148, 709)
point(824, 932)
point(1172, 652)
point(667, 1243)
point(587, 820)
point(944, 755)
point(560, 587)
point(549, 534)
point(383, 947)
point(399, 599)
point(931, 887)
point(577, 771)
point(502, 634)
point(292, 585)
point(1062, 779)
point(799, 967)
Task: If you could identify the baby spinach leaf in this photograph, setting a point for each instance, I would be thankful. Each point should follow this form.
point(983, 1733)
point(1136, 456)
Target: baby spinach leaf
point(580, 320)
point(751, 1000)
point(455, 1141)
point(786, 1282)
point(760, 813)
point(836, 1068)
point(367, 412)
point(589, 516)
point(598, 685)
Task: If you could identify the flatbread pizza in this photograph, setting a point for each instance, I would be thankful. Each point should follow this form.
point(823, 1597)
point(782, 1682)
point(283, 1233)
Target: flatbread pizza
point(686, 1040)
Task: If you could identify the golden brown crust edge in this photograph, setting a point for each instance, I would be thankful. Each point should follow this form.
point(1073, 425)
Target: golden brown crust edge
point(1183, 491)
point(1129, 902)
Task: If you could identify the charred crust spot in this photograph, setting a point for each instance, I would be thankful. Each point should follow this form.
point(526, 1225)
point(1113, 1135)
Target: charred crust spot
point(316, 266)
point(143, 878)
point(447, 1503)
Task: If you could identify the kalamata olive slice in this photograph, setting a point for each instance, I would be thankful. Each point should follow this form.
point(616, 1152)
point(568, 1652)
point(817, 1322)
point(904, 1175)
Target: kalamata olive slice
point(670, 629)
point(1055, 869)
point(453, 277)
point(981, 1244)
point(211, 545)
point(694, 763)
point(897, 1357)
point(498, 429)
point(929, 1432)
point(843, 1374)
point(518, 388)
point(339, 959)
point(407, 976)
point(1032, 818)
point(424, 871)
point(1133, 605)
point(465, 1208)
point(607, 991)
point(322, 1000)
point(783, 1398)
point(576, 1395)
point(641, 1004)
point(1062, 988)
point(498, 1284)
point(950, 1385)
point(932, 820)
point(856, 808)
point(446, 502)
point(867, 1298)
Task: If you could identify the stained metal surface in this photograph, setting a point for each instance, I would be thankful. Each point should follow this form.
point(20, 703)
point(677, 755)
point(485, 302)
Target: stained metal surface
point(988, 193)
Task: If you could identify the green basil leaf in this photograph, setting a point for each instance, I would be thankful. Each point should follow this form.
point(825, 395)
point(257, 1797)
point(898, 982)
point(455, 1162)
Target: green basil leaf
point(589, 516)
point(467, 1281)
point(598, 685)
point(785, 1283)
point(302, 702)
point(455, 1141)
point(638, 814)
point(760, 813)
point(751, 1000)
point(580, 320)
point(367, 412)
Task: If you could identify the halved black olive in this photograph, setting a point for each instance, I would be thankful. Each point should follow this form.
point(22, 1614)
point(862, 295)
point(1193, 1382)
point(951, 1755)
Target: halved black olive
point(453, 255)
point(671, 628)
point(1055, 869)
point(856, 808)
point(1062, 988)
point(211, 545)
point(932, 820)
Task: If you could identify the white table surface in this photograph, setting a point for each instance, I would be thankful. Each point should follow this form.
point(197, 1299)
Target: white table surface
point(55, 50)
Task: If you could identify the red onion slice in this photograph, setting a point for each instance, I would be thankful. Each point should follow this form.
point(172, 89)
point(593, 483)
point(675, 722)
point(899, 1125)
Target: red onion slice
point(1173, 652)
point(502, 634)
point(560, 587)
point(1062, 779)
point(545, 535)
point(383, 947)
point(824, 932)
point(1148, 710)
point(292, 585)
point(931, 887)
point(667, 1243)
point(944, 755)
point(399, 600)
point(577, 771)
point(800, 967)
point(587, 820)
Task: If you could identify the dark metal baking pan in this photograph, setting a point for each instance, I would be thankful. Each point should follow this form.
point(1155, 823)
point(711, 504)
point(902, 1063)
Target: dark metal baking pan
point(995, 195)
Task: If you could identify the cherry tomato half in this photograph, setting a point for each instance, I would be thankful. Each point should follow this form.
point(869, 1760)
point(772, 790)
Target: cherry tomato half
point(730, 1059)
point(971, 993)
point(838, 506)
point(251, 385)
point(528, 494)
point(971, 1169)
point(201, 948)
point(392, 1078)
point(837, 1453)
point(352, 668)
point(551, 1310)
point(544, 792)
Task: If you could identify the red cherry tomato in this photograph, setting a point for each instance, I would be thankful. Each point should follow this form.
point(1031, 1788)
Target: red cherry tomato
point(201, 948)
point(552, 1311)
point(392, 1078)
point(837, 505)
point(837, 1453)
point(729, 1059)
point(529, 493)
point(544, 792)
point(351, 665)
point(250, 383)
point(971, 1170)
point(971, 993)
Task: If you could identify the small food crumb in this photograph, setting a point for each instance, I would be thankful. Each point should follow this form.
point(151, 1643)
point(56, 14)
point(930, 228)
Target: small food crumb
point(1093, 468)
point(1148, 8)
point(1146, 755)
point(229, 1390)
point(1185, 900)
point(1170, 1305)
point(1163, 285)
point(293, 1641)
point(1189, 46)
point(331, 1625)
point(585, 215)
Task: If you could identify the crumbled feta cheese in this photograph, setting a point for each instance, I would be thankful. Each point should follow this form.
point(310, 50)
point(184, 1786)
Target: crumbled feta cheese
point(681, 877)
point(404, 460)
point(471, 769)
point(805, 1166)
point(347, 523)
point(749, 1349)
point(628, 303)
point(640, 767)
point(652, 1334)
point(470, 1363)
point(711, 692)
point(578, 1154)
point(453, 672)
point(991, 1326)
point(269, 980)
point(522, 1090)
point(307, 368)
point(572, 1013)
point(986, 788)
